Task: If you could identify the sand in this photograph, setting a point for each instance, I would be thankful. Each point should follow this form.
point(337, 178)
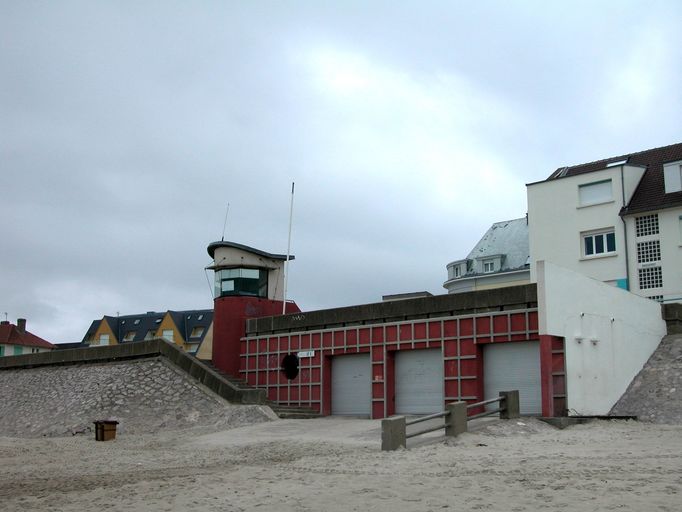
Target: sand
point(334, 464)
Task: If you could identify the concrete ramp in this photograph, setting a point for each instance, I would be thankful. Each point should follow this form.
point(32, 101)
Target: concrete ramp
point(655, 394)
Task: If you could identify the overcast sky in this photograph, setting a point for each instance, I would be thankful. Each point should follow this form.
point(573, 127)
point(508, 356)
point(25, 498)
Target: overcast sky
point(409, 127)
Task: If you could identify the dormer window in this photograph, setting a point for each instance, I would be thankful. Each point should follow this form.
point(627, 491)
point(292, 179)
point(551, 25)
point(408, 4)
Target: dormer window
point(129, 336)
point(488, 266)
point(457, 271)
point(672, 174)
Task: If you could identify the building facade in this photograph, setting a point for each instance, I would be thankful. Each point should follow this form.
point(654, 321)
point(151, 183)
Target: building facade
point(187, 329)
point(618, 220)
point(501, 258)
point(15, 340)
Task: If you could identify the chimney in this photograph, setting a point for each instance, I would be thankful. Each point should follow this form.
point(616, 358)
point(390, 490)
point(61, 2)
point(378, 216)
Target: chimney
point(21, 324)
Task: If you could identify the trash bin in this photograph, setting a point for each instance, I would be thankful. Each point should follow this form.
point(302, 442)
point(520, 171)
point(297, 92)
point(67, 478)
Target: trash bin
point(105, 430)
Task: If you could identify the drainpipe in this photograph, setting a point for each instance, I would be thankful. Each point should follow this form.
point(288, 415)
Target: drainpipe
point(625, 233)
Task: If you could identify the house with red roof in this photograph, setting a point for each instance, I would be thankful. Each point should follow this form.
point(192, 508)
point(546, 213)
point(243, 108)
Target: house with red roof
point(15, 340)
point(617, 220)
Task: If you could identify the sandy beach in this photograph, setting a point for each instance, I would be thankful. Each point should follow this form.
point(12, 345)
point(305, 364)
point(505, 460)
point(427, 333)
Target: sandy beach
point(336, 464)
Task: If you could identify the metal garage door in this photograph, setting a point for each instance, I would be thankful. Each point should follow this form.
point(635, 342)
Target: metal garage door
point(351, 385)
point(419, 381)
point(509, 366)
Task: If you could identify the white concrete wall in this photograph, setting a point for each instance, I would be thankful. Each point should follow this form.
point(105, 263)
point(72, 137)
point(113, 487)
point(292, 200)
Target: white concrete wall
point(556, 221)
point(609, 334)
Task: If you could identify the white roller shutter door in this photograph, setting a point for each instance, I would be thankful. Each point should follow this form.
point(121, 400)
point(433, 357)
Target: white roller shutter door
point(509, 366)
point(351, 385)
point(419, 381)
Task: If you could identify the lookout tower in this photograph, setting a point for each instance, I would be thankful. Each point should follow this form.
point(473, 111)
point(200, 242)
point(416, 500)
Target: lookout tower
point(249, 283)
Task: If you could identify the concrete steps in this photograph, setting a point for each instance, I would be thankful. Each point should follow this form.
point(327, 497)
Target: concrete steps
point(283, 411)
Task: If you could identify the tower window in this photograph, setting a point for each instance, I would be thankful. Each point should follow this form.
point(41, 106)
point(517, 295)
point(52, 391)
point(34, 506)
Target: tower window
point(241, 281)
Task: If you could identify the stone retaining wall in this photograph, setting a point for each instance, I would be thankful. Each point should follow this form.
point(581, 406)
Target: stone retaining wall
point(144, 395)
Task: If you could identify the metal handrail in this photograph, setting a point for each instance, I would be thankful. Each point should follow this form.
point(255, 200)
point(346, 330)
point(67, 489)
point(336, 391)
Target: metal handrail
point(433, 416)
point(394, 430)
point(485, 402)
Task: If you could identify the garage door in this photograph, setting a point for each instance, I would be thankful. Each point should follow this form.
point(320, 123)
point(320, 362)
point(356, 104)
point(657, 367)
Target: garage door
point(419, 381)
point(509, 366)
point(351, 385)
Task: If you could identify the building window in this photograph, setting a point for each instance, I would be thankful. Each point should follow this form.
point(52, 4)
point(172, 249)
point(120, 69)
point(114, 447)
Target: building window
point(18, 350)
point(650, 278)
point(129, 336)
point(241, 281)
point(197, 332)
point(167, 334)
point(648, 251)
point(200, 317)
point(657, 298)
point(2, 350)
point(150, 334)
point(672, 177)
point(595, 193)
point(137, 321)
point(488, 266)
point(103, 339)
point(595, 244)
point(646, 225)
point(458, 271)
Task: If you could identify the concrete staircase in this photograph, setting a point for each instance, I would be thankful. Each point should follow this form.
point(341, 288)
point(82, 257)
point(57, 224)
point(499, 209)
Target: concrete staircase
point(283, 411)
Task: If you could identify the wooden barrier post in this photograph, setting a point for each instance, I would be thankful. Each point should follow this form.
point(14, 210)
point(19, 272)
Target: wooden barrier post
point(457, 419)
point(393, 433)
point(511, 405)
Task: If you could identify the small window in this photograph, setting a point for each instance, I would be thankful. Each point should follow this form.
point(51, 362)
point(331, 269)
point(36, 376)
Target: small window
point(200, 317)
point(137, 321)
point(646, 225)
point(158, 321)
point(129, 336)
point(650, 278)
point(648, 251)
point(672, 176)
point(168, 334)
point(657, 298)
point(458, 271)
point(197, 332)
point(488, 266)
point(595, 193)
point(151, 333)
point(103, 339)
point(595, 244)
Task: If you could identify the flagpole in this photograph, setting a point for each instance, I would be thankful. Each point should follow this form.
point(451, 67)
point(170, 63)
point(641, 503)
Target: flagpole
point(286, 262)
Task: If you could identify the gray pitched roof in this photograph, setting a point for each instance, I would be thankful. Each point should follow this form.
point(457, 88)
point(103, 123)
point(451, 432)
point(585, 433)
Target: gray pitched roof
point(508, 238)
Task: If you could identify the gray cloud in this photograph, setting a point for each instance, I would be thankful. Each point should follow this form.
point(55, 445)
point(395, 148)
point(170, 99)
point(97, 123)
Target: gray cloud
point(409, 129)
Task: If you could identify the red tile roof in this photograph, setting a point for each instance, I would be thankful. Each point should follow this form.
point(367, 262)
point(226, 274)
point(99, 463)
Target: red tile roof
point(11, 335)
point(650, 193)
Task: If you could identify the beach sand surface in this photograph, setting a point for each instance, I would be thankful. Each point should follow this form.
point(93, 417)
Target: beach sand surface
point(336, 464)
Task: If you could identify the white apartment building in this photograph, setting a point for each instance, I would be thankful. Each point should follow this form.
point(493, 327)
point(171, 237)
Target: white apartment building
point(618, 220)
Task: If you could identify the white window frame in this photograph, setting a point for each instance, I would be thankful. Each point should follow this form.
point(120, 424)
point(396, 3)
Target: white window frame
point(457, 272)
point(103, 339)
point(489, 267)
point(593, 235)
point(166, 337)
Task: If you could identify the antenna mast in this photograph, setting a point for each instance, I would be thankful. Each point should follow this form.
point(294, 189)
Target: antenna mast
point(225, 223)
point(286, 262)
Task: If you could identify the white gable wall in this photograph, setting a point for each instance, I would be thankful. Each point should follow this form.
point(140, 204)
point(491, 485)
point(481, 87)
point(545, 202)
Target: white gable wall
point(557, 221)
